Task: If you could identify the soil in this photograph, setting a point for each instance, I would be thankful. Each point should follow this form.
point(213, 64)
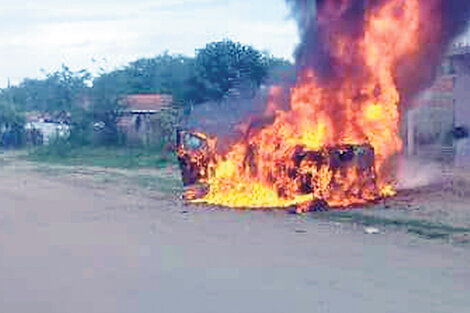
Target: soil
point(88, 239)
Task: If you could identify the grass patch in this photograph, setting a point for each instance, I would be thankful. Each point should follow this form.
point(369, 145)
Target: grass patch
point(422, 228)
point(165, 180)
point(115, 157)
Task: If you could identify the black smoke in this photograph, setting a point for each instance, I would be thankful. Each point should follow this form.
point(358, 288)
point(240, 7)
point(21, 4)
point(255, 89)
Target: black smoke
point(413, 73)
point(313, 51)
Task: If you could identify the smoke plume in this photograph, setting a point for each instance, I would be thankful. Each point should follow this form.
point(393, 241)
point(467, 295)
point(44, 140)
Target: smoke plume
point(320, 20)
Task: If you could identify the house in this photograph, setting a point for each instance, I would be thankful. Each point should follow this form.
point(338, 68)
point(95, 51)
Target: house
point(44, 127)
point(140, 119)
point(441, 110)
point(430, 121)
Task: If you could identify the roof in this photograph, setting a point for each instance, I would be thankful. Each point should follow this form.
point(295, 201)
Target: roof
point(51, 117)
point(147, 102)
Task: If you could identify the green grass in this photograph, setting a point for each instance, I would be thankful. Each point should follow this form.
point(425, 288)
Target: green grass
point(116, 166)
point(421, 227)
point(122, 162)
point(115, 157)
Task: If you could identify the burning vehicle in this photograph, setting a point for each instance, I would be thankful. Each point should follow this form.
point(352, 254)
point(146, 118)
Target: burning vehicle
point(334, 141)
point(306, 185)
point(193, 157)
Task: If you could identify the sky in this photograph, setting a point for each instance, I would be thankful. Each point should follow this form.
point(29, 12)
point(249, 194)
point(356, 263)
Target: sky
point(40, 36)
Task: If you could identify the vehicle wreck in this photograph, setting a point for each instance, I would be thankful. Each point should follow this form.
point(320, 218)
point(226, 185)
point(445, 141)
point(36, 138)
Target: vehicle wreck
point(321, 178)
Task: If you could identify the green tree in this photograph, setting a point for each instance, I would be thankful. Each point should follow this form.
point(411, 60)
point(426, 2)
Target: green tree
point(168, 74)
point(11, 125)
point(9, 116)
point(280, 71)
point(226, 65)
point(163, 74)
point(58, 91)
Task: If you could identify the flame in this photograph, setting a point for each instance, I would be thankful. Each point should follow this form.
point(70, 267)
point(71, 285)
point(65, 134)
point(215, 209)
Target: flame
point(359, 108)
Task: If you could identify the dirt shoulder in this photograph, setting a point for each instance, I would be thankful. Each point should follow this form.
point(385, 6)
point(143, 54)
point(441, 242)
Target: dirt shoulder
point(439, 210)
point(96, 240)
point(436, 207)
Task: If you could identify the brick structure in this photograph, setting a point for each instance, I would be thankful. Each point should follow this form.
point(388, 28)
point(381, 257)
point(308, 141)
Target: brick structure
point(440, 109)
point(139, 121)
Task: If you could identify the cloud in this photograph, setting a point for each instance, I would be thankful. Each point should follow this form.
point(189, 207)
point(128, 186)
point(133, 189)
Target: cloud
point(47, 33)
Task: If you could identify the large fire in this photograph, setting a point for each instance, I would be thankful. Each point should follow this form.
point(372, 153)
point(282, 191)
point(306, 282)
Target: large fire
point(357, 109)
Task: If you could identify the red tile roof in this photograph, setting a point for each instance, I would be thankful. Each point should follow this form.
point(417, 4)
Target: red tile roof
point(147, 102)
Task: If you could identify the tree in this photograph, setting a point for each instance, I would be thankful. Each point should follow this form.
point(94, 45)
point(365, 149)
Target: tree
point(58, 91)
point(280, 71)
point(168, 74)
point(163, 74)
point(226, 65)
point(217, 70)
point(9, 116)
point(66, 87)
point(11, 125)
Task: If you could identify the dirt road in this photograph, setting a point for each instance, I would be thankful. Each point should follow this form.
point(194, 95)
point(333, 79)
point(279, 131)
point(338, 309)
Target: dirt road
point(77, 245)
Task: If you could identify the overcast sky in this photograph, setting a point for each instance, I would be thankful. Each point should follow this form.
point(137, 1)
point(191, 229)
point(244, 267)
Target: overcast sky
point(43, 34)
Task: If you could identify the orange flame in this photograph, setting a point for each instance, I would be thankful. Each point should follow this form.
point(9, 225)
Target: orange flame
point(360, 108)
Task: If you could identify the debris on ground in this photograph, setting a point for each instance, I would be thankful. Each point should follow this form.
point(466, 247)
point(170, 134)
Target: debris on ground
point(371, 230)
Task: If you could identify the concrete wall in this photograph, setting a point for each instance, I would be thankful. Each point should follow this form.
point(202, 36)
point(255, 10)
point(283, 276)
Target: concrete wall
point(462, 118)
point(429, 123)
point(439, 110)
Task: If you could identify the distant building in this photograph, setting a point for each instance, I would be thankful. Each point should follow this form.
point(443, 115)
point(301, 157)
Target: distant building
point(444, 107)
point(43, 127)
point(146, 103)
point(140, 119)
point(61, 117)
point(430, 121)
point(459, 66)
